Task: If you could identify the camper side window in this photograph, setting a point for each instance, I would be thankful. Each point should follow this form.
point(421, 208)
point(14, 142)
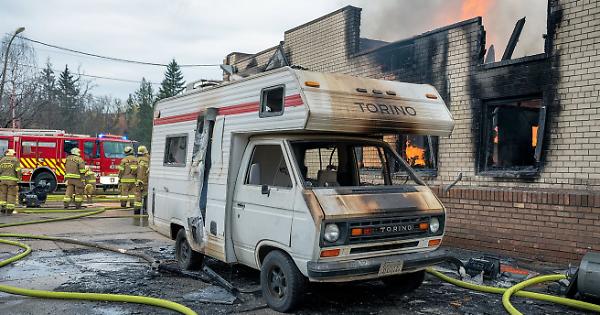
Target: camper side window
point(175, 150)
point(268, 167)
point(272, 101)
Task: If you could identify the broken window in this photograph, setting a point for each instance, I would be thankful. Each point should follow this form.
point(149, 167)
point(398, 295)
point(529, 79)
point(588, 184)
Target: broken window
point(271, 101)
point(512, 136)
point(175, 150)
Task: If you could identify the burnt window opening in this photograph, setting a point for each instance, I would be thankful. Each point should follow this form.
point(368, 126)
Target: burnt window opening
point(512, 135)
point(420, 152)
point(175, 150)
point(272, 101)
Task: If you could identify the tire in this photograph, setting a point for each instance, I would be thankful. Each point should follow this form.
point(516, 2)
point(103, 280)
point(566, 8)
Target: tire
point(405, 283)
point(48, 178)
point(186, 257)
point(282, 284)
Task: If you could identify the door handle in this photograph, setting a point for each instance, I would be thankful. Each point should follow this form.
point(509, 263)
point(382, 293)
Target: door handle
point(241, 205)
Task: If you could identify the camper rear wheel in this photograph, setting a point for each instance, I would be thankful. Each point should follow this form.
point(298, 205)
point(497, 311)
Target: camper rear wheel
point(404, 283)
point(187, 258)
point(282, 283)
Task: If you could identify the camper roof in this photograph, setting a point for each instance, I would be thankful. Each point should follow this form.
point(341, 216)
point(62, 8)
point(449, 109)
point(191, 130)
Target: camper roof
point(315, 101)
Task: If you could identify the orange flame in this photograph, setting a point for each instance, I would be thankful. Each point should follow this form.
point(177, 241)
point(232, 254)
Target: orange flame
point(473, 8)
point(414, 155)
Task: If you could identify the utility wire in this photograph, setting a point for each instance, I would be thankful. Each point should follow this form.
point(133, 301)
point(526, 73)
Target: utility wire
point(113, 58)
point(90, 75)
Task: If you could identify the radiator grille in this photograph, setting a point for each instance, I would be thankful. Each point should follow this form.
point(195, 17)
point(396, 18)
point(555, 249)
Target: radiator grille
point(388, 229)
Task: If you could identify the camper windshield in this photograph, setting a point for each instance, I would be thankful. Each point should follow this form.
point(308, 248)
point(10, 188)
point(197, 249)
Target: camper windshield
point(350, 163)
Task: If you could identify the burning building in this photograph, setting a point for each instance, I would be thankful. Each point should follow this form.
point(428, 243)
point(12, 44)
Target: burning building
point(527, 135)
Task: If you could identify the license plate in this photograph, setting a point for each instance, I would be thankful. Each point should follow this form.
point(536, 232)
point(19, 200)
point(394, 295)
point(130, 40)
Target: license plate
point(391, 267)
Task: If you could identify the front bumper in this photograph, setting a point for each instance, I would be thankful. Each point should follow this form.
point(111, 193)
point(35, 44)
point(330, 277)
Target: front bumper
point(369, 267)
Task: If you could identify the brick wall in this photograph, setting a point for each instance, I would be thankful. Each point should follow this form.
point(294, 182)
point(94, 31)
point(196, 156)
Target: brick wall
point(540, 225)
point(550, 216)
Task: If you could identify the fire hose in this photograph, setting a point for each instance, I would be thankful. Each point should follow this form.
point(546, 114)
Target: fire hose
point(83, 213)
point(76, 295)
point(516, 291)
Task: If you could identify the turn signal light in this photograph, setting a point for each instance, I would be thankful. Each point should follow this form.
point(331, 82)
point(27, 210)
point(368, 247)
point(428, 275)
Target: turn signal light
point(435, 242)
point(312, 84)
point(330, 252)
point(361, 231)
point(431, 96)
point(423, 226)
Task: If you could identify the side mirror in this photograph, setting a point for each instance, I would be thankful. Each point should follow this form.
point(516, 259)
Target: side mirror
point(265, 190)
point(458, 178)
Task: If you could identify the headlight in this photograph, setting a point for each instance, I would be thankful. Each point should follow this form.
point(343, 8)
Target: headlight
point(434, 225)
point(332, 233)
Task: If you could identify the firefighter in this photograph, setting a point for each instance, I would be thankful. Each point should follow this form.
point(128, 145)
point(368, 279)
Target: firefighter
point(141, 184)
point(90, 184)
point(127, 176)
point(74, 174)
point(10, 173)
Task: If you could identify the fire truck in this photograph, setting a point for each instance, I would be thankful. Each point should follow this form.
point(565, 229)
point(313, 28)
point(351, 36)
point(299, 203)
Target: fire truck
point(42, 154)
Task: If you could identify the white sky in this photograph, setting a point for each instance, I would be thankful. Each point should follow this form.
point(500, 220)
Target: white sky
point(158, 30)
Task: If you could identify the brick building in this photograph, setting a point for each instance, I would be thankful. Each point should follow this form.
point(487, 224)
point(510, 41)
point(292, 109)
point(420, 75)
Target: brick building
point(527, 135)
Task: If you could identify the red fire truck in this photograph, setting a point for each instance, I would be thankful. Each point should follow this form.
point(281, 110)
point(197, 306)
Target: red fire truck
point(42, 154)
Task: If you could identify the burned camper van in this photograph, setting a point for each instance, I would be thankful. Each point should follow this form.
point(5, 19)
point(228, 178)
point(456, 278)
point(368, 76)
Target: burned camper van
point(286, 172)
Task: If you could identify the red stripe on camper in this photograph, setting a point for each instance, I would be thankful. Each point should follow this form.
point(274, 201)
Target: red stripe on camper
point(176, 118)
point(239, 108)
point(289, 101)
point(293, 100)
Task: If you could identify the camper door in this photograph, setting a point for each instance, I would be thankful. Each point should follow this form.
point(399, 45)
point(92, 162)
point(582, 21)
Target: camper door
point(263, 200)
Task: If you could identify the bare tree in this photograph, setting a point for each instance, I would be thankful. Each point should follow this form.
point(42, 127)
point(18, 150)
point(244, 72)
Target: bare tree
point(19, 101)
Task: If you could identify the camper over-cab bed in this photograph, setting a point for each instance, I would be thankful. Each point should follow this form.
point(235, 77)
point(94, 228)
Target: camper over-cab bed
point(270, 172)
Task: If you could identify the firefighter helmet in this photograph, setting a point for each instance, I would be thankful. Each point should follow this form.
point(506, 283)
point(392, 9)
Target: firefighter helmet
point(142, 149)
point(128, 150)
point(76, 151)
point(10, 152)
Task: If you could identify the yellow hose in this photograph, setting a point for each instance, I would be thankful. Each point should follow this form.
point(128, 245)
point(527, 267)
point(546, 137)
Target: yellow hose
point(74, 295)
point(515, 290)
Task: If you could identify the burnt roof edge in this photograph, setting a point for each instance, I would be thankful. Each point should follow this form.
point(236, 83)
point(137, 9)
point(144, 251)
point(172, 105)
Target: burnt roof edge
point(508, 62)
point(256, 54)
point(348, 7)
point(410, 40)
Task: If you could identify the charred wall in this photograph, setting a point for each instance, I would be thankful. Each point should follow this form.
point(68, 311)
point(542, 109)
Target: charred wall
point(551, 213)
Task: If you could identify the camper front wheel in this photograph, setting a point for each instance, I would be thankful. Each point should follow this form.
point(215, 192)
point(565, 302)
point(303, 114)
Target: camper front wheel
point(186, 257)
point(282, 283)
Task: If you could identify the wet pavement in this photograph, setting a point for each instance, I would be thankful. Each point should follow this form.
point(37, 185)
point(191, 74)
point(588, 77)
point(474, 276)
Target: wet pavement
point(65, 267)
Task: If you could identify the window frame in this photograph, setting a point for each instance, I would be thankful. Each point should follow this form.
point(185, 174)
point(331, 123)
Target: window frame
point(65, 152)
point(171, 136)
point(92, 154)
point(291, 173)
point(262, 105)
point(529, 171)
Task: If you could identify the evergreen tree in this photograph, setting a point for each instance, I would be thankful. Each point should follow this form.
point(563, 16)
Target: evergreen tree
point(173, 83)
point(48, 83)
point(68, 99)
point(140, 109)
point(47, 113)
